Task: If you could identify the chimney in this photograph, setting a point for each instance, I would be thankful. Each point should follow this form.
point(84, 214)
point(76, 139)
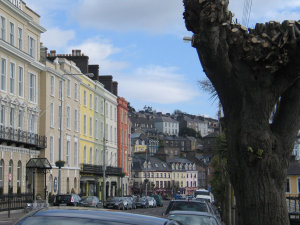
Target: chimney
point(43, 53)
point(53, 53)
point(115, 88)
point(94, 69)
point(73, 52)
point(107, 82)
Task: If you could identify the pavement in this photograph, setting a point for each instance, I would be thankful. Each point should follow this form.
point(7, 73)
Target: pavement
point(15, 215)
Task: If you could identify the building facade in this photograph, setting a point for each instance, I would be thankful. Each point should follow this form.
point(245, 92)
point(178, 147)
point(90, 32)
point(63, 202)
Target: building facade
point(19, 95)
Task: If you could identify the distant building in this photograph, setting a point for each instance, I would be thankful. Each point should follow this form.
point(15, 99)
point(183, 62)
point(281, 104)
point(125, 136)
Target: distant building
point(167, 125)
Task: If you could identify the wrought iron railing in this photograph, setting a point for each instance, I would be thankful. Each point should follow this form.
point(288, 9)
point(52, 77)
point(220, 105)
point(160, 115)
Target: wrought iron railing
point(14, 201)
point(18, 136)
point(98, 169)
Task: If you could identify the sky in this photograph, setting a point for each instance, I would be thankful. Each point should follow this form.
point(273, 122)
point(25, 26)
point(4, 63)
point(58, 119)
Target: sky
point(140, 43)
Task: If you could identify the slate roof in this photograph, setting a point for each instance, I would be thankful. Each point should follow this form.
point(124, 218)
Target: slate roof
point(165, 119)
point(178, 160)
point(156, 164)
point(294, 168)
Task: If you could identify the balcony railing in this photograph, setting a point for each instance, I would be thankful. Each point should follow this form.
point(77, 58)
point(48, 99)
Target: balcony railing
point(98, 170)
point(20, 137)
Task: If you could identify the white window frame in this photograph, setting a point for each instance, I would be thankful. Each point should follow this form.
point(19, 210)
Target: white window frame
point(32, 97)
point(96, 129)
point(21, 119)
point(75, 152)
point(20, 38)
point(76, 91)
point(91, 156)
point(52, 86)
point(2, 114)
point(68, 152)
point(3, 28)
point(21, 81)
point(12, 77)
point(52, 111)
point(91, 101)
point(3, 79)
point(96, 104)
point(12, 33)
point(84, 124)
point(91, 126)
point(68, 117)
point(84, 154)
point(69, 88)
point(12, 114)
point(76, 117)
point(32, 46)
point(84, 98)
point(51, 147)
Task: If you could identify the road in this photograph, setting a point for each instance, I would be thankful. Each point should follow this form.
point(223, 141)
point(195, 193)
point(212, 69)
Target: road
point(14, 216)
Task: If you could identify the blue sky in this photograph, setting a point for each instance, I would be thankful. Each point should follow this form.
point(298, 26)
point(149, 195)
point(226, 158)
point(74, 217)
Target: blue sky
point(140, 43)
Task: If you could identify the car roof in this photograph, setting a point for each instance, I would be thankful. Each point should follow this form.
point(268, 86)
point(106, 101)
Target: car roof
point(103, 215)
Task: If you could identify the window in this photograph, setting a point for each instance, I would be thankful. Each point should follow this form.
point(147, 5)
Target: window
point(12, 78)
point(32, 87)
point(12, 33)
point(121, 116)
point(68, 117)
point(3, 74)
point(115, 115)
point(68, 152)
point(76, 120)
point(21, 82)
point(68, 88)
point(91, 126)
point(12, 117)
point(84, 98)
point(115, 135)
point(20, 120)
point(52, 114)
point(125, 117)
point(106, 110)
point(96, 104)
point(84, 154)
point(102, 130)
point(75, 153)
point(96, 129)
point(10, 174)
point(97, 157)
point(31, 46)
point(19, 173)
point(91, 101)
point(60, 90)
point(287, 190)
point(84, 124)
point(102, 107)
point(91, 155)
point(1, 172)
point(51, 149)
point(3, 28)
point(2, 115)
point(52, 83)
point(111, 111)
point(76, 91)
point(20, 38)
point(60, 117)
point(110, 136)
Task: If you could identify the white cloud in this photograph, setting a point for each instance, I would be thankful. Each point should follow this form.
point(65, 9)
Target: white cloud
point(55, 38)
point(120, 15)
point(99, 52)
point(156, 84)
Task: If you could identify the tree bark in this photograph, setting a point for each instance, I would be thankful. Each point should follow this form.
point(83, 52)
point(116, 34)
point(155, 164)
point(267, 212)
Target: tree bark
point(256, 74)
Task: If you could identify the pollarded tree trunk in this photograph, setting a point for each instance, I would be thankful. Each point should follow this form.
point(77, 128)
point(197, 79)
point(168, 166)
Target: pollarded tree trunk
point(256, 75)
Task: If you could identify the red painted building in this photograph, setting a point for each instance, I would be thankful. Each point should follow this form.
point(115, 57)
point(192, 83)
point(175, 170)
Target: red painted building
point(123, 141)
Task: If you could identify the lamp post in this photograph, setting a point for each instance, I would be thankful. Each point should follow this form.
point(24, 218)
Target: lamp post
point(60, 127)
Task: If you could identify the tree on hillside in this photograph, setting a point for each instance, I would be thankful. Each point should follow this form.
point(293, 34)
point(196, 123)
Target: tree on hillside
point(255, 73)
point(186, 131)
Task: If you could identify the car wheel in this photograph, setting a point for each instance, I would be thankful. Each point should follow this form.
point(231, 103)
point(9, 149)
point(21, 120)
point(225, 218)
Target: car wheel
point(75, 204)
point(119, 207)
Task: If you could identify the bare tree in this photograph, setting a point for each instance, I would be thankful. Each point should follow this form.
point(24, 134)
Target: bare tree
point(252, 70)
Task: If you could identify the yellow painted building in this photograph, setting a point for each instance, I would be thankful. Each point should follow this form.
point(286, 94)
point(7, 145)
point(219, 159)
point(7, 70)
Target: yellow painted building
point(87, 139)
point(293, 179)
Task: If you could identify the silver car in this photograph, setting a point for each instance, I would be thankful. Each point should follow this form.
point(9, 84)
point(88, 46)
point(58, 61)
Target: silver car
point(193, 218)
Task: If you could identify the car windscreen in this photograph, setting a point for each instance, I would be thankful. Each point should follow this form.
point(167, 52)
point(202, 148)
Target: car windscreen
point(193, 219)
point(188, 206)
point(201, 193)
point(63, 197)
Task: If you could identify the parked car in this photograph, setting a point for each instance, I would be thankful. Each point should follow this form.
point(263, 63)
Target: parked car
point(91, 201)
point(68, 199)
point(142, 202)
point(158, 200)
point(193, 218)
point(152, 202)
point(186, 205)
point(133, 200)
point(127, 202)
point(115, 203)
point(71, 216)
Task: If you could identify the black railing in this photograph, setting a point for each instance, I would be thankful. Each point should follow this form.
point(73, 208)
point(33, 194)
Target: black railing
point(9, 134)
point(293, 204)
point(14, 201)
point(98, 170)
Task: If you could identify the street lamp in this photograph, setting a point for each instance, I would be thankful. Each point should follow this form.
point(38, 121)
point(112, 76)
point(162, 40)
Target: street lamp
point(61, 164)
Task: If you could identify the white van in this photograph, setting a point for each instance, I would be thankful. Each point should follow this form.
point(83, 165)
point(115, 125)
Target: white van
point(204, 194)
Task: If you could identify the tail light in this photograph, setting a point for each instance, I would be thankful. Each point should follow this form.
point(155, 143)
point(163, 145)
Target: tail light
point(72, 199)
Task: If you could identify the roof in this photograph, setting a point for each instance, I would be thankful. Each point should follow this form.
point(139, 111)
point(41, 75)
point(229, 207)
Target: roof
point(156, 163)
point(179, 160)
point(39, 163)
point(165, 119)
point(294, 168)
point(103, 215)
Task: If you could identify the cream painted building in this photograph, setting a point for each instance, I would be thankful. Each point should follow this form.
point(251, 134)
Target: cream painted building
point(19, 95)
point(60, 86)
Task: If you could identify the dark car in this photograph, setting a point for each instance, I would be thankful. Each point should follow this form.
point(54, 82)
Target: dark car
point(186, 205)
point(142, 203)
point(68, 199)
point(193, 218)
point(115, 203)
point(91, 201)
point(158, 200)
point(78, 216)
